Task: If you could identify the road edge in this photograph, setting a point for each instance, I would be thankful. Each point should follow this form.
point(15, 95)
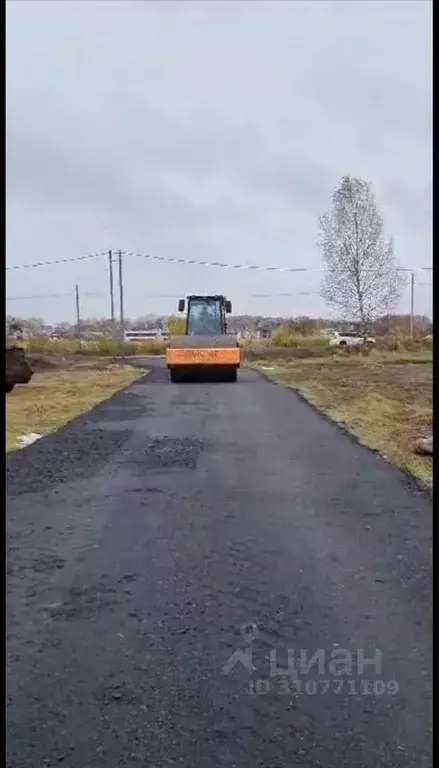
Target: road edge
point(414, 485)
point(81, 416)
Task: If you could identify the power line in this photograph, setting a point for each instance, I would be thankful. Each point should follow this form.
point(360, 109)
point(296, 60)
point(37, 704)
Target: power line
point(226, 265)
point(40, 296)
point(171, 295)
point(52, 296)
point(169, 260)
point(156, 295)
point(57, 261)
point(196, 262)
point(256, 267)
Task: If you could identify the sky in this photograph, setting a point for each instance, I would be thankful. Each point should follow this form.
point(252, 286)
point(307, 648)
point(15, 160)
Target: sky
point(213, 131)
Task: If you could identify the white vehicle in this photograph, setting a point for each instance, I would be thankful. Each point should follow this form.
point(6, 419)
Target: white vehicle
point(350, 339)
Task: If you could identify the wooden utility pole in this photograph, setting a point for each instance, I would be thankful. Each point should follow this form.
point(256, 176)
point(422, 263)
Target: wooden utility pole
point(78, 313)
point(110, 263)
point(122, 318)
point(412, 303)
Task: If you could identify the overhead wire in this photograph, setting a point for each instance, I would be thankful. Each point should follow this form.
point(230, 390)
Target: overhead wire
point(194, 262)
point(57, 261)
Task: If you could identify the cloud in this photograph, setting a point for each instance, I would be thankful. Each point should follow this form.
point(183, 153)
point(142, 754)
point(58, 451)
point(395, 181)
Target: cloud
point(209, 130)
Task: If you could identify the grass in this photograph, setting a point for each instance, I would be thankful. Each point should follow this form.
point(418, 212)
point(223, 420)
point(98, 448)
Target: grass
point(384, 399)
point(280, 338)
point(286, 346)
point(55, 397)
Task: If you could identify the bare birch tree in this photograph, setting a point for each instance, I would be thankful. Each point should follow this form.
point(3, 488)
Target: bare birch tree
point(362, 280)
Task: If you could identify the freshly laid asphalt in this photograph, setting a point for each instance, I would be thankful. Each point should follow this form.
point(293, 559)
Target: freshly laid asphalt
point(167, 550)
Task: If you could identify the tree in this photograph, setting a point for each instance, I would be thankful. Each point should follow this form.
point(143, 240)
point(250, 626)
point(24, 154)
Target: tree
point(34, 326)
point(176, 325)
point(14, 324)
point(362, 280)
point(305, 325)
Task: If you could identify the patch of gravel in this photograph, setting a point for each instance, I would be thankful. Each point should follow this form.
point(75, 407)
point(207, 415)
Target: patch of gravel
point(72, 453)
point(169, 453)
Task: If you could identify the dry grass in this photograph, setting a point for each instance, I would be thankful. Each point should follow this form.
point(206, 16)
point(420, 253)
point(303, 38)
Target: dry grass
point(281, 338)
point(256, 352)
point(282, 344)
point(100, 348)
point(385, 400)
point(287, 346)
point(61, 393)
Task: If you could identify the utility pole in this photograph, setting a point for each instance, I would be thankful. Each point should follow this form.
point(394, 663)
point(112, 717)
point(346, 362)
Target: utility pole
point(78, 313)
point(412, 303)
point(110, 263)
point(122, 319)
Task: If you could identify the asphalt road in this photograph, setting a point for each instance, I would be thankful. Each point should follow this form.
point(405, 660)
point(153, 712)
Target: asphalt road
point(148, 537)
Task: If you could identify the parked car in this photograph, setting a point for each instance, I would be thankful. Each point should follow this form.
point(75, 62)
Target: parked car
point(350, 339)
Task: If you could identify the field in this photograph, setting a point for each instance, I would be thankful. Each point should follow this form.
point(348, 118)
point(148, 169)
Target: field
point(384, 399)
point(60, 390)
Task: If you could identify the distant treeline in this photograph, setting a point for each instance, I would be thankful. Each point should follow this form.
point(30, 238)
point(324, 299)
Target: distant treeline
point(35, 326)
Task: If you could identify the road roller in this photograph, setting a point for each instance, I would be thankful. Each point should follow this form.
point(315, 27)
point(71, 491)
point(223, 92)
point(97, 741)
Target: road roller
point(206, 352)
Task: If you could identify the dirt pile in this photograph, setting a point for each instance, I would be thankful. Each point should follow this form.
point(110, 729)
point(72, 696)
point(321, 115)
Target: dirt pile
point(18, 370)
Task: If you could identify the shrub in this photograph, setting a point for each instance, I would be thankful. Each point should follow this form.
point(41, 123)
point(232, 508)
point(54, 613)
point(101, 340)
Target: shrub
point(394, 342)
point(281, 338)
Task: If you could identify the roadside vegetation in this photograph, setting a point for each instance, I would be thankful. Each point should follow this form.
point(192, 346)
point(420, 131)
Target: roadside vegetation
point(282, 343)
point(59, 391)
point(103, 347)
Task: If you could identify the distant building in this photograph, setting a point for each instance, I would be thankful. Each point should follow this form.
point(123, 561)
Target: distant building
point(94, 335)
point(247, 335)
point(142, 335)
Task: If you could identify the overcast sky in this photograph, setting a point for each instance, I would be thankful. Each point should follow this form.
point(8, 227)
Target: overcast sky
point(214, 131)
